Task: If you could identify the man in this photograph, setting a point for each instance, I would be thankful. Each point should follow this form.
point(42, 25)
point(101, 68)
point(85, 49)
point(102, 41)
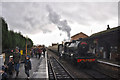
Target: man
point(36, 51)
point(44, 50)
point(10, 66)
point(16, 59)
point(39, 52)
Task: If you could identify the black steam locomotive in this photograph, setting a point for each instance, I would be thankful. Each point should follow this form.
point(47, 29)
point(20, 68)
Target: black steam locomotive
point(76, 52)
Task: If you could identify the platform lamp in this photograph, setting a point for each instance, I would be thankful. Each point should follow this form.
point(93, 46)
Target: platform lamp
point(26, 44)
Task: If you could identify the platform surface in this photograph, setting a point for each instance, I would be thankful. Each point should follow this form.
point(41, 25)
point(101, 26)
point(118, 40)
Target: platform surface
point(42, 70)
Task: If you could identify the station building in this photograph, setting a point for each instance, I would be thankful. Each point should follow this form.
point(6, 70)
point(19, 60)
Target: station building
point(79, 35)
point(106, 44)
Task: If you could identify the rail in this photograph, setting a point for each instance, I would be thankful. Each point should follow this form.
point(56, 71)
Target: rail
point(58, 70)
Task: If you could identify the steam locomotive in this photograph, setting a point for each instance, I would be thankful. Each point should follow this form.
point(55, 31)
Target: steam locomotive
point(77, 52)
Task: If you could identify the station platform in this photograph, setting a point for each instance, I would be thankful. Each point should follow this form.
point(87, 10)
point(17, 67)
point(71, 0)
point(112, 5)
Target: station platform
point(108, 63)
point(42, 69)
point(39, 68)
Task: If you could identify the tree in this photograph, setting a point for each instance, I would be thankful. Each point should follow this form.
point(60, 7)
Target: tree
point(11, 39)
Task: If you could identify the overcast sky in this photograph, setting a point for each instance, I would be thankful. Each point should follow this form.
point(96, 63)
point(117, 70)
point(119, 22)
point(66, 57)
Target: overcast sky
point(52, 22)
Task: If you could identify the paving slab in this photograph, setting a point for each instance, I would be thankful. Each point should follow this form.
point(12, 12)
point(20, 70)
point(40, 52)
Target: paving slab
point(42, 71)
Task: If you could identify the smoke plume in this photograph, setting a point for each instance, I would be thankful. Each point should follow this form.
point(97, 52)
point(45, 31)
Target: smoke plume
point(55, 19)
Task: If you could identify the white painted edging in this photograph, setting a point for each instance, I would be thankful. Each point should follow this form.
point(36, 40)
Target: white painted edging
point(46, 64)
point(109, 63)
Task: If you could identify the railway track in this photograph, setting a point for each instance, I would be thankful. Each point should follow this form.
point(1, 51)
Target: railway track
point(57, 70)
point(94, 74)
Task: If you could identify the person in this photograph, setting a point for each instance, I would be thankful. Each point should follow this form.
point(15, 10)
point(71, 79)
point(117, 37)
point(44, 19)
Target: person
point(39, 52)
point(44, 50)
point(32, 52)
point(36, 51)
point(27, 65)
point(16, 59)
point(60, 50)
point(12, 52)
point(10, 66)
point(4, 74)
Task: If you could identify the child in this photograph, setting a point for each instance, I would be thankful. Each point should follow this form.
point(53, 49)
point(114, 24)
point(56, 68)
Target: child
point(27, 64)
point(4, 74)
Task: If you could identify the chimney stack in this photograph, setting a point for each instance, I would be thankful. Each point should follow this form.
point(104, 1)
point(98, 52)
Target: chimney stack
point(108, 27)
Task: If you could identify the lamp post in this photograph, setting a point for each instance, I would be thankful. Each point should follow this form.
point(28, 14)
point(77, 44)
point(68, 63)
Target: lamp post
point(26, 44)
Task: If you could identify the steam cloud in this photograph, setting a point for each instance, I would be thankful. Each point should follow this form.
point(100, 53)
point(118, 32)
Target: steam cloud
point(55, 19)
